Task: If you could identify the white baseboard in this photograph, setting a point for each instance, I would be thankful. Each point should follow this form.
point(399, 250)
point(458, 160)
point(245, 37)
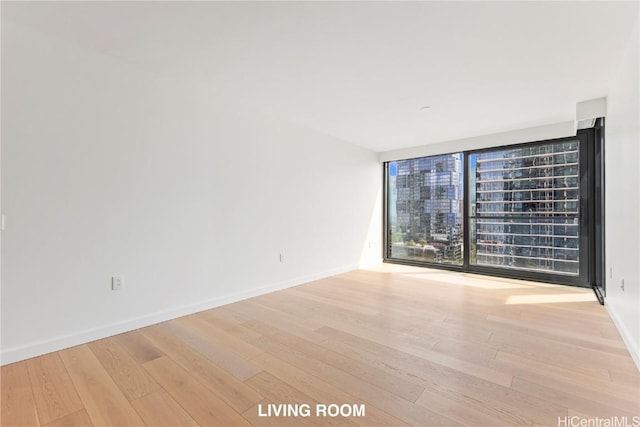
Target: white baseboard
point(632, 345)
point(61, 342)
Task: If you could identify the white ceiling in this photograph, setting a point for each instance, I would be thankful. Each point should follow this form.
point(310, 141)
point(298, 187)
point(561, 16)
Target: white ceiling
point(361, 71)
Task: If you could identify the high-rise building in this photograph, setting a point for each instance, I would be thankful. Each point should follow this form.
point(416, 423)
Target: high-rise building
point(428, 210)
point(526, 208)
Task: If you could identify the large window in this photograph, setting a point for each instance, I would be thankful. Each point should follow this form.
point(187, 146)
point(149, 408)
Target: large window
point(520, 211)
point(425, 209)
point(525, 208)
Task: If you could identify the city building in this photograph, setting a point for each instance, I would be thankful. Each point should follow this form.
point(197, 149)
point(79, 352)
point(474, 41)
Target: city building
point(425, 201)
point(526, 208)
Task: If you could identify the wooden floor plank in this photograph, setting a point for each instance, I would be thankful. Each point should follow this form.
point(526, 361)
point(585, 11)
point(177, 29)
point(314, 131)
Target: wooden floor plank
point(402, 388)
point(205, 407)
point(486, 395)
point(473, 352)
point(591, 341)
point(103, 400)
point(214, 334)
point(218, 353)
point(250, 310)
point(539, 371)
point(221, 382)
point(138, 347)
point(460, 411)
point(133, 381)
point(335, 300)
point(570, 356)
point(53, 390)
point(17, 403)
point(222, 320)
point(409, 360)
point(323, 390)
point(159, 409)
point(626, 379)
point(370, 393)
point(76, 419)
point(600, 408)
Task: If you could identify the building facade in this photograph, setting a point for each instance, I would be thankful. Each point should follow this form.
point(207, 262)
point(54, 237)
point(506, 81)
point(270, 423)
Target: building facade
point(526, 210)
point(426, 209)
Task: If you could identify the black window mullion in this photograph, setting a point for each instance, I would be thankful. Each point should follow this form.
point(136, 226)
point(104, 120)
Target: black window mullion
point(466, 231)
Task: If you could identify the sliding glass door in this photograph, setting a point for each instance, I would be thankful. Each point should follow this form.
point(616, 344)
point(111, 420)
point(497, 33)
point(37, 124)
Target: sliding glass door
point(518, 211)
point(424, 210)
point(525, 208)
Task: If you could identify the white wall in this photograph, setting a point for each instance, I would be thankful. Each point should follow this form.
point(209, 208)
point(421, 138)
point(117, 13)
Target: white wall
point(109, 170)
point(538, 133)
point(622, 199)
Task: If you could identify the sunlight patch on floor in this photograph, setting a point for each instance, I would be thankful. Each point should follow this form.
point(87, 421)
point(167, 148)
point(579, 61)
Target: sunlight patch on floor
point(551, 298)
point(462, 278)
point(474, 282)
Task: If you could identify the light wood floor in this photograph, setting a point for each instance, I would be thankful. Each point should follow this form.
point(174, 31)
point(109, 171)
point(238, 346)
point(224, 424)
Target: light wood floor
point(416, 347)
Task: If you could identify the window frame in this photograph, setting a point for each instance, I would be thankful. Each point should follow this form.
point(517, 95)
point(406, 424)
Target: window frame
point(387, 229)
point(587, 211)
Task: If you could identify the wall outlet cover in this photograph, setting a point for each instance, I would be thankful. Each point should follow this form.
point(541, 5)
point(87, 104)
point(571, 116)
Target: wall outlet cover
point(117, 283)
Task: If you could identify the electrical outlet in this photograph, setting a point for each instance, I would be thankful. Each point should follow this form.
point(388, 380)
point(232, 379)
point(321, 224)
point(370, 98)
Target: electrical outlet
point(622, 285)
point(117, 283)
point(610, 272)
point(281, 257)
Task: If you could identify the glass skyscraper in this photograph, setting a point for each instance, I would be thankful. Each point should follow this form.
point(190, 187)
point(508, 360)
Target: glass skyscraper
point(425, 209)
